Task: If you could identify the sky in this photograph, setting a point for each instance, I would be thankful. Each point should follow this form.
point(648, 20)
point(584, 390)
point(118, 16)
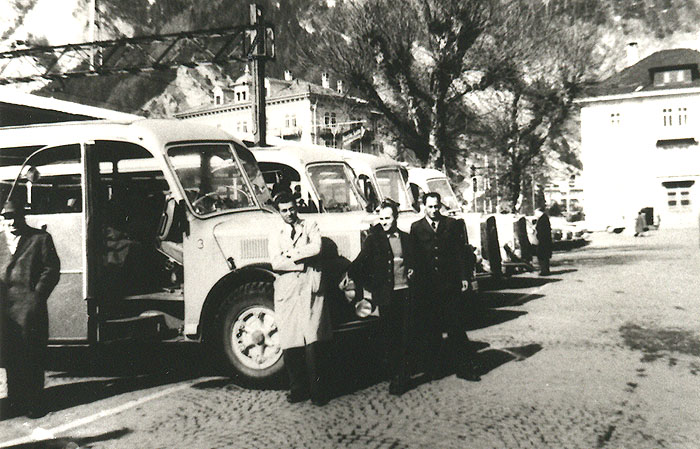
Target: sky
point(61, 21)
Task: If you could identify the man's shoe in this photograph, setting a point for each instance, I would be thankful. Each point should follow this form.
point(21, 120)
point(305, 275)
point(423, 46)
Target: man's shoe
point(319, 401)
point(36, 413)
point(294, 397)
point(397, 388)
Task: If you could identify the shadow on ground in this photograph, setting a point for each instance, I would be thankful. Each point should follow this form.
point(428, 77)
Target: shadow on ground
point(517, 282)
point(86, 375)
point(68, 442)
point(116, 370)
point(504, 299)
point(490, 359)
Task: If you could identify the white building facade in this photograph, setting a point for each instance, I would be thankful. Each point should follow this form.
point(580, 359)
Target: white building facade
point(296, 110)
point(640, 143)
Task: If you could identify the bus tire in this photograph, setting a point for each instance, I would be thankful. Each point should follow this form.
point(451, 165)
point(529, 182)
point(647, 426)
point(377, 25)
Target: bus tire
point(247, 337)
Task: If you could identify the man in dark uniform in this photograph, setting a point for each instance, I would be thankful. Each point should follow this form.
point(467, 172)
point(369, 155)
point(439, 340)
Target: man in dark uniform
point(543, 230)
point(29, 271)
point(386, 267)
point(444, 264)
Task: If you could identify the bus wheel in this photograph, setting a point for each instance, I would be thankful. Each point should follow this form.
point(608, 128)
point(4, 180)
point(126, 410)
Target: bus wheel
point(248, 334)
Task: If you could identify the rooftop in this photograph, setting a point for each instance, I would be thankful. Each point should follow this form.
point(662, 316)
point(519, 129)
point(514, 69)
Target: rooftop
point(640, 76)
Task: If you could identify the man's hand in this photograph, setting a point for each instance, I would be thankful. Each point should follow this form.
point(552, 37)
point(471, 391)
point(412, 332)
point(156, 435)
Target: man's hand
point(465, 285)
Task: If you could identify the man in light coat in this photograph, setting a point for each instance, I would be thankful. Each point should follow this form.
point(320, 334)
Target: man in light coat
point(29, 271)
point(302, 317)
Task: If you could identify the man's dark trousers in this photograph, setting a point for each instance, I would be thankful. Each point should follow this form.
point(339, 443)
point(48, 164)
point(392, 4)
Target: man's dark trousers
point(398, 334)
point(306, 370)
point(448, 315)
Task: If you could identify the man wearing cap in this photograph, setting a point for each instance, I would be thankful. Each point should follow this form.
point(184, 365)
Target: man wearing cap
point(445, 267)
point(386, 267)
point(29, 271)
point(300, 311)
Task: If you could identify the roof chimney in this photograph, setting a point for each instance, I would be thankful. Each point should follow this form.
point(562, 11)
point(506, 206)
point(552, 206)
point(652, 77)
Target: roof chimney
point(288, 75)
point(340, 87)
point(632, 53)
point(326, 80)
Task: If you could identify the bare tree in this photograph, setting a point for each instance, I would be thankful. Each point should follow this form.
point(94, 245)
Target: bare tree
point(408, 59)
point(544, 60)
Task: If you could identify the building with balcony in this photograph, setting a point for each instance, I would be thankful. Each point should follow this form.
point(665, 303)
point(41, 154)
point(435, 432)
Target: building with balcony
point(296, 110)
point(640, 143)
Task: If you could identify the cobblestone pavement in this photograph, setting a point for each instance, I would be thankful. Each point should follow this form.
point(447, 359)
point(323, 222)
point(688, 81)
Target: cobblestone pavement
point(603, 354)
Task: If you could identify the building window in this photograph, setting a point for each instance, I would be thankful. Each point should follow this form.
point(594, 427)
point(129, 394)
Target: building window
point(329, 119)
point(682, 116)
point(290, 121)
point(217, 99)
point(679, 118)
point(682, 76)
point(615, 118)
point(678, 195)
point(668, 117)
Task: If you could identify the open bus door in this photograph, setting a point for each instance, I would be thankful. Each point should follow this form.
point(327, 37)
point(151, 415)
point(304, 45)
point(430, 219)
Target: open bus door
point(51, 180)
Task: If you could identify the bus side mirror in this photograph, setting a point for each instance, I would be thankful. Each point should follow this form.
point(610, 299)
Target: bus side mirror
point(31, 174)
point(173, 221)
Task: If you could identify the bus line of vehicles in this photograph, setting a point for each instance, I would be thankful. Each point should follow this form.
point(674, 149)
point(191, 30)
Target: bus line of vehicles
point(161, 227)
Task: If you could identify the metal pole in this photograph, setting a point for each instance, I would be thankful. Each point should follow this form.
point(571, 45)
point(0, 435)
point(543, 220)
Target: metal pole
point(92, 31)
point(258, 77)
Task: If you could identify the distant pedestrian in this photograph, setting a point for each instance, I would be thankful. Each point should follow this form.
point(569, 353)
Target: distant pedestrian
point(445, 267)
point(300, 311)
point(386, 267)
point(543, 231)
point(29, 271)
point(640, 224)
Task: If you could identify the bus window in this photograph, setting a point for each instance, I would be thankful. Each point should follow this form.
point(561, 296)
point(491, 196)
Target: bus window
point(55, 187)
point(335, 190)
point(211, 178)
point(255, 176)
point(392, 186)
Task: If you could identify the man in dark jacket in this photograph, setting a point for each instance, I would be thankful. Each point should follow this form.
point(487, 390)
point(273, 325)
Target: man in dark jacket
point(543, 230)
point(386, 267)
point(445, 267)
point(29, 271)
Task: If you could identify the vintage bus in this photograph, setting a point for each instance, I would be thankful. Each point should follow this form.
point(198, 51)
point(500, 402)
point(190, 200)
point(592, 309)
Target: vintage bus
point(162, 228)
point(380, 178)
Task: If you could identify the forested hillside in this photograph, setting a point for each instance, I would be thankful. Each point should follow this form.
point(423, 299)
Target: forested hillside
point(654, 24)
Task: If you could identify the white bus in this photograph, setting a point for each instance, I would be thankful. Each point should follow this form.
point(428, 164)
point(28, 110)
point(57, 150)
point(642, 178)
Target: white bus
point(162, 228)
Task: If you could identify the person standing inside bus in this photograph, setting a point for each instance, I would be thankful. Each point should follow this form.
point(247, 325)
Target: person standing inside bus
point(446, 265)
point(29, 271)
point(301, 314)
point(386, 266)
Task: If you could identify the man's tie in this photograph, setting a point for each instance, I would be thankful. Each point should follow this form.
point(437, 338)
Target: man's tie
point(294, 232)
point(434, 225)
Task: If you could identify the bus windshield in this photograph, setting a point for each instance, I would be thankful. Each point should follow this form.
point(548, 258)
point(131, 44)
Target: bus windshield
point(392, 186)
point(250, 165)
point(211, 178)
point(442, 186)
point(333, 184)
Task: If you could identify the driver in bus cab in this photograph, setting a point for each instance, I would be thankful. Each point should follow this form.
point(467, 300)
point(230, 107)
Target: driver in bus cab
point(29, 271)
